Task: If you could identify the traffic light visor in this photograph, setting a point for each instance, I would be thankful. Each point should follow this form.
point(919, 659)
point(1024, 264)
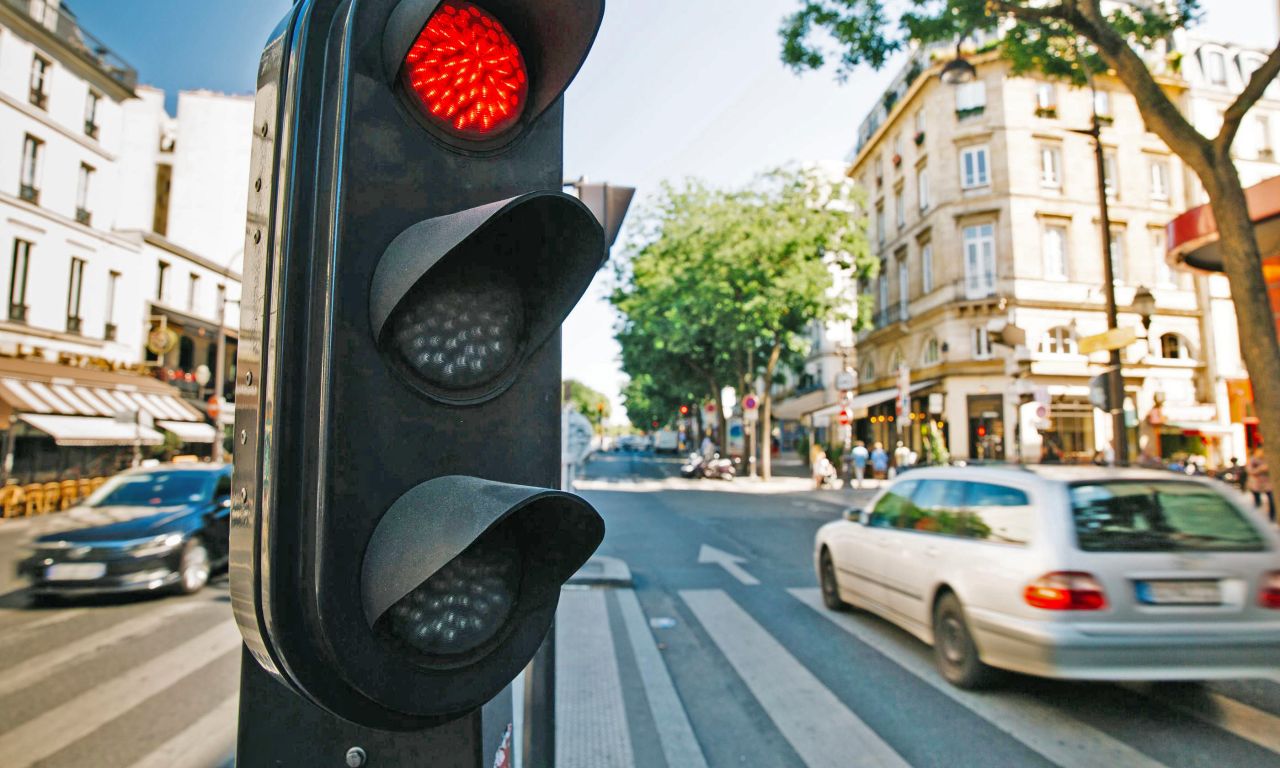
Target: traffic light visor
point(459, 301)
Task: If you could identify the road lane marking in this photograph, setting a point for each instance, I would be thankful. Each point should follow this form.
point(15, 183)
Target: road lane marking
point(14, 633)
point(61, 726)
point(1243, 720)
point(591, 719)
point(679, 744)
point(210, 740)
point(1057, 736)
point(731, 564)
point(31, 671)
point(820, 728)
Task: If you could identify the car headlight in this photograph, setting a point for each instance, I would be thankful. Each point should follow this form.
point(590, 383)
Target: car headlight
point(155, 546)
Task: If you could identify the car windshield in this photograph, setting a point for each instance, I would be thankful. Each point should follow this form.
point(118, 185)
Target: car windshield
point(153, 489)
point(1158, 516)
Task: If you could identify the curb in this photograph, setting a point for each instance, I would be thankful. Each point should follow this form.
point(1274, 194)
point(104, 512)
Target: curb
point(601, 571)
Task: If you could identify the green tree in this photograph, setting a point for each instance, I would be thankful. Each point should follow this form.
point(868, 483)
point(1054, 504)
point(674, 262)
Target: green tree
point(590, 403)
point(1074, 39)
point(724, 284)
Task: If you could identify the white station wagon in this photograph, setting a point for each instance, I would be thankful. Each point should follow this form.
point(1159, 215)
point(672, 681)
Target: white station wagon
point(1065, 572)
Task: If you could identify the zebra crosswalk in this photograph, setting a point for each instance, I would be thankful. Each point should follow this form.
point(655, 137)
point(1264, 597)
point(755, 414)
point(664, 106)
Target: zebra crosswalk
point(662, 679)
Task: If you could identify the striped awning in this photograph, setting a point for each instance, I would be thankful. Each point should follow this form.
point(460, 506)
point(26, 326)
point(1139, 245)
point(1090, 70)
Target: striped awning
point(38, 387)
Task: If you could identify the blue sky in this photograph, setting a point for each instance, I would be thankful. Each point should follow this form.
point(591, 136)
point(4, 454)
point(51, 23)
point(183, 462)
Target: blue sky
point(673, 88)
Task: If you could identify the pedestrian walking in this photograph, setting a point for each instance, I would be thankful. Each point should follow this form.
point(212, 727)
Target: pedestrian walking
point(1259, 482)
point(860, 458)
point(879, 462)
point(708, 448)
point(901, 456)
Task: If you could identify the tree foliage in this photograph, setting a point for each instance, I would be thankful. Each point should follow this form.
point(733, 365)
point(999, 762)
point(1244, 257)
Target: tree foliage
point(722, 284)
point(589, 402)
point(1077, 40)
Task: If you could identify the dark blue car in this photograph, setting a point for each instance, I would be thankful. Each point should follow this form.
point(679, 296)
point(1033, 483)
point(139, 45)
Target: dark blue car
point(155, 528)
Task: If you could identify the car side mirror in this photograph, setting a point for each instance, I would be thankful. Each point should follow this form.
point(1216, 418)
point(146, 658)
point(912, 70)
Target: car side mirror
point(856, 515)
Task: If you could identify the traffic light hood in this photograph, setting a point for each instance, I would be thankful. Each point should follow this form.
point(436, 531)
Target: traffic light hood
point(458, 302)
point(554, 37)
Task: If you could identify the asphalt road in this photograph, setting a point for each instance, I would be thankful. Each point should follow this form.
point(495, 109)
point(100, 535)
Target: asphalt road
point(727, 662)
point(764, 676)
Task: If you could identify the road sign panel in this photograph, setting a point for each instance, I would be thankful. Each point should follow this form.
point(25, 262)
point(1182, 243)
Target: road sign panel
point(1116, 338)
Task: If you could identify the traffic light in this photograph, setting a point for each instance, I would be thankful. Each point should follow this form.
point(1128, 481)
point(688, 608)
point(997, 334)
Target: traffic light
point(684, 410)
point(397, 549)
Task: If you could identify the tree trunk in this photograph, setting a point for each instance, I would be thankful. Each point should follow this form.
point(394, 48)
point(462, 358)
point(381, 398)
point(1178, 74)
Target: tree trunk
point(1255, 318)
point(766, 415)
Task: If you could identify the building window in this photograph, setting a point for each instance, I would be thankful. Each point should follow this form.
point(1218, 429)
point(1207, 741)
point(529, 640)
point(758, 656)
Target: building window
point(981, 344)
point(880, 224)
point(91, 113)
point(971, 99)
point(1216, 68)
point(74, 290)
point(1055, 252)
point(162, 280)
point(109, 329)
point(1059, 341)
point(1164, 273)
point(1102, 104)
point(1110, 179)
point(879, 168)
point(922, 188)
point(1119, 265)
point(904, 288)
point(931, 352)
point(869, 370)
point(899, 209)
point(39, 93)
point(979, 261)
point(29, 181)
point(897, 150)
point(1159, 179)
point(919, 138)
point(1262, 137)
point(973, 168)
point(160, 216)
point(18, 281)
point(926, 268)
point(1174, 347)
point(82, 195)
point(1050, 166)
point(220, 311)
point(1046, 100)
point(192, 286)
point(882, 288)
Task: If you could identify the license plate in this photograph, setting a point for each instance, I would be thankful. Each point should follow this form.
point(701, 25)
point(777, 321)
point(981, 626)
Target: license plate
point(75, 571)
point(1179, 593)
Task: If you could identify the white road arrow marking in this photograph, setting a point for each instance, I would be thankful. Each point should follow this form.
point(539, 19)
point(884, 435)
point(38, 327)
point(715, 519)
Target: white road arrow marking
point(728, 562)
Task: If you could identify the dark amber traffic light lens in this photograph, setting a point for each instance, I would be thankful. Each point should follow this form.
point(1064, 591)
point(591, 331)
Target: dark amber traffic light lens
point(467, 72)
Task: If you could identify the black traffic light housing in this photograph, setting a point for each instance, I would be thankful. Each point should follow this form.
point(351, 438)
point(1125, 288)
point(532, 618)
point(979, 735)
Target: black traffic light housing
point(370, 482)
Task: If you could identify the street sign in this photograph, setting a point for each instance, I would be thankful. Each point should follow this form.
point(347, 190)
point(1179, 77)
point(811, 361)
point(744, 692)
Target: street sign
point(1116, 338)
point(844, 417)
point(846, 381)
point(407, 268)
point(214, 407)
point(710, 407)
point(935, 403)
point(904, 394)
point(1098, 391)
point(750, 406)
point(728, 399)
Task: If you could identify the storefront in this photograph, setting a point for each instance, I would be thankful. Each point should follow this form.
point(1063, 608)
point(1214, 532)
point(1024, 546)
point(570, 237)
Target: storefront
point(62, 423)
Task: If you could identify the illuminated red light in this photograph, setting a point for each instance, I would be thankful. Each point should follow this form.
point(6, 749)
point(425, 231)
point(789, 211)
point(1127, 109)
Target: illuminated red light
point(467, 71)
point(1066, 591)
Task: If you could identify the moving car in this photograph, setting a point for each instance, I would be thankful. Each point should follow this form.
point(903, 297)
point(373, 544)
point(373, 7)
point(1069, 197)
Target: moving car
point(1064, 572)
point(162, 527)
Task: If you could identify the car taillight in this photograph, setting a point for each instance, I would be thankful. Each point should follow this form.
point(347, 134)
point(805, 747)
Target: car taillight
point(1269, 594)
point(1066, 591)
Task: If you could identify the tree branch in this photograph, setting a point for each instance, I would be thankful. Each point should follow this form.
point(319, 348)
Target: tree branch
point(1029, 13)
point(1235, 113)
point(1161, 114)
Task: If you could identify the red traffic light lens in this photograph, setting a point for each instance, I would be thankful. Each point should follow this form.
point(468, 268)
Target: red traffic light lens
point(467, 72)
point(684, 409)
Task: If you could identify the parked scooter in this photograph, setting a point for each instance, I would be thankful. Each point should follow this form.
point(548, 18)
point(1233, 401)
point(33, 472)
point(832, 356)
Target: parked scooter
point(716, 468)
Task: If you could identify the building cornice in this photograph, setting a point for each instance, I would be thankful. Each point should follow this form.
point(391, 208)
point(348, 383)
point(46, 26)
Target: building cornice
point(32, 31)
point(165, 244)
point(57, 218)
point(42, 117)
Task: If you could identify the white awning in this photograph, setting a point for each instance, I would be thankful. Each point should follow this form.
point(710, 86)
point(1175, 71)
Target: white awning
point(189, 431)
point(91, 430)
point(69, 398)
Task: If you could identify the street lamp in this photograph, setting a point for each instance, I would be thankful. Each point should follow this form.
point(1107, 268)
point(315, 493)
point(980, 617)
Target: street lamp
point(958, 71)
point(1144, 304)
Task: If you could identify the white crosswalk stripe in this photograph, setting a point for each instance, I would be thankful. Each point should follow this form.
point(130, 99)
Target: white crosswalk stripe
point(1251, 723)
point(36, 668)
point(21, 632)
point(61, 726)
point(819, 727)
point(591, 721)
point(207, 742)
point(1041, 727)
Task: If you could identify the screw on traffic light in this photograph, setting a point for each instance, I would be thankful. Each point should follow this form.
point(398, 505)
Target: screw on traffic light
point(397, 551)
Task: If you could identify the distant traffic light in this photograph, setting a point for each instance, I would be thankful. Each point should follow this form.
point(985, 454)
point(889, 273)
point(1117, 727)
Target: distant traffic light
point(412, 261)
point(684, 410)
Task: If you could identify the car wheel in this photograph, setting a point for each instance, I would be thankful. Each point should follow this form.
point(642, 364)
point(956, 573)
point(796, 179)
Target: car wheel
point(953, 646)
point(194, 569)
point(827, 579)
